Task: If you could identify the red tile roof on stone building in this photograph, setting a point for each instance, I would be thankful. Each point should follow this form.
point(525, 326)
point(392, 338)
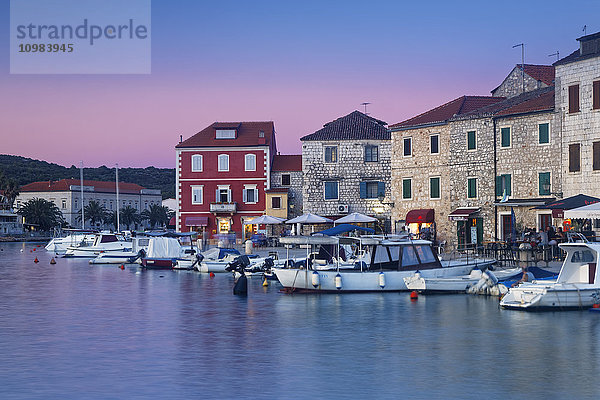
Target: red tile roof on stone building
point(443, 113)
point(64, 185)
point(354, 126)
point(247, 135)
point(544, 102)
point(287, 163)
point(543, 73)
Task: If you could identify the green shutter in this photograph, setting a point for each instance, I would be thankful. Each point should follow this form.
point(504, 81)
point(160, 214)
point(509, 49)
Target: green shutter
point(505, 135)
point(544, 179)
point(406, 189)
point(472, 188)
point(499, 186)
point(507, 184)
point(434, 188)
point(544, 133)
point(471, 140)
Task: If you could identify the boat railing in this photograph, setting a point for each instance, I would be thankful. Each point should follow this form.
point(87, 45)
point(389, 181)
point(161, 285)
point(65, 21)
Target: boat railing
point(576, 237)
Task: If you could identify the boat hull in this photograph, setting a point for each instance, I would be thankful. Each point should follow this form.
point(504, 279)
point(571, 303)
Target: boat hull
point(556, 296)
point(158, 263)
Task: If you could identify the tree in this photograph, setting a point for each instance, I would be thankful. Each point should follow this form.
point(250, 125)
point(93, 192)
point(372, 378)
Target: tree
point(128, 216)
point(94, 212)
point(156, 215)
point(11, 191)
point(42, 213)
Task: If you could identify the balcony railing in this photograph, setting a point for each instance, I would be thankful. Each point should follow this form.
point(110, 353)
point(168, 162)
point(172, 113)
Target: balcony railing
point(223, 207)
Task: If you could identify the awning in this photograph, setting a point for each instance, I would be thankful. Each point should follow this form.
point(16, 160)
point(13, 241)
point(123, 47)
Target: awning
point(343, 228)
point(196, 221)
point(420, 216)
point(569, 203)
point(171, 221)
point(461, 214)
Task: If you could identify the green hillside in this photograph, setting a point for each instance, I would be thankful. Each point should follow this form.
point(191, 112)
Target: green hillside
point(26, 170)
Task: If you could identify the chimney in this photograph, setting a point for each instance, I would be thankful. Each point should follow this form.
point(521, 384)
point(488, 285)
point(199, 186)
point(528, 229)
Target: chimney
point(180, 138)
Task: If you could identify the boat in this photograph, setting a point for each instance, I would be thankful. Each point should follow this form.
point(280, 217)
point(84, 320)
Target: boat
point(139, 248)
point(104, 242)
point(372, 263)
point(75, 238)
point(166, 251)
point(577, 285)
point(217, 259)
point(458, 284)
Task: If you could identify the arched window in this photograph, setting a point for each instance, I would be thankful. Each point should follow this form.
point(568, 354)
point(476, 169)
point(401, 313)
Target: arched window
point(250, 162)
point(223, 162)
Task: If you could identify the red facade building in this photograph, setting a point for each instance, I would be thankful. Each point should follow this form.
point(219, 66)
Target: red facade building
point(223, 172)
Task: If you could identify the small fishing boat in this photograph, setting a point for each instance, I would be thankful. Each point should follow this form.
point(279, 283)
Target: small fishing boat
point(104, 242)
point(139, 248)
point(75, 238)
point(458, 284)
point(367, 263)
point(217, 259)
point(577, 285)
point(165, 251)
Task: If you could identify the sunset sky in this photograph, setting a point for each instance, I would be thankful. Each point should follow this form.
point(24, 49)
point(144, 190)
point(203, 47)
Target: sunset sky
point(300, 64)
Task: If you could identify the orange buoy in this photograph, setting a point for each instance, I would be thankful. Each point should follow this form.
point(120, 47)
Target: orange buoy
point(36, 260)
point(212, 274)
point(122, 266)
point(414, 295)
point(595, 305)
point(53, 261)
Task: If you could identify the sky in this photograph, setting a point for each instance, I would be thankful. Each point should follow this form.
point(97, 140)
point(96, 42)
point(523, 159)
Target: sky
point(300, 64)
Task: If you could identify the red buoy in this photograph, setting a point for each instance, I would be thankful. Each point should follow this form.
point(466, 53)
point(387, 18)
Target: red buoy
point(212, 274)
point(122, 266)
point(414, 295)
point(53, 261)
point(595, 305)
point(36, 260)
point(34, 249)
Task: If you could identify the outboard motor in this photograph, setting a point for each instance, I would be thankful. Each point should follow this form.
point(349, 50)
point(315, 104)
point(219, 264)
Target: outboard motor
point(238, 265)
point(199, 258)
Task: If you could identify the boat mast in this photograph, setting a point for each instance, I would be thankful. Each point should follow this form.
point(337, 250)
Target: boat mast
point(117, 185)
point(81, 187)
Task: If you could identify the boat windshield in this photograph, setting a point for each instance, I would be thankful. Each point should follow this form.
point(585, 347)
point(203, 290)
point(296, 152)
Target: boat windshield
point(409, 256)
point(425, 254)
point(582, 256)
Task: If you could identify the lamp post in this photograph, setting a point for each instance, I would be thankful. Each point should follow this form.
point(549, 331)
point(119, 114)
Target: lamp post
point(546, 187)
point(381, 197)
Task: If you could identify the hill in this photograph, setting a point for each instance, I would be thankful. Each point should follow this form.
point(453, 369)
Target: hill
point(26, 170)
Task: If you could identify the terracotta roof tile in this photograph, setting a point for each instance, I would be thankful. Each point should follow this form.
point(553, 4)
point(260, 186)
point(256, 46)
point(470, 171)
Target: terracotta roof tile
point(64, 185)
point(247, 135)
point(354, 126)
point(544, 73)
point(544, 102)
point(287, 163)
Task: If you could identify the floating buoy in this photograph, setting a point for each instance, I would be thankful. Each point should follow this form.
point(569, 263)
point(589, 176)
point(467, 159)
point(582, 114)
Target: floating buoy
point(212, 274)
point(381, 280)
point(596, 305)
point(338, 281)
point(36, 260)
point(265, 282)
point(315, 279)
point(34, 249)
point(122, 266)
point(414, 295)
point(53, 261)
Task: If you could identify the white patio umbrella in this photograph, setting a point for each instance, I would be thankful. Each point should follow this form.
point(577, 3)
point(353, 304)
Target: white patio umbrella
point(589, 211)
point(355, 218)
point(265, 220)
point(309, 218)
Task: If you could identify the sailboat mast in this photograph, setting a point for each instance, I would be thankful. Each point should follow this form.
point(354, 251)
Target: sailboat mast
point(81, 187)
point(117, 185)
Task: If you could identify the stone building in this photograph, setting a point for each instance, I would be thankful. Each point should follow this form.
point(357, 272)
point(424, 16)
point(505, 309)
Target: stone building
point(346, 167)
point(578, 114)
point(534, 76)
point(284, 199)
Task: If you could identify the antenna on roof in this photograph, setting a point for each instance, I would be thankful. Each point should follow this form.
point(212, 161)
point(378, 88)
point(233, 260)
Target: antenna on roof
point(365, 106)
point(555, 54)
point(522, 62)
point(584, 30)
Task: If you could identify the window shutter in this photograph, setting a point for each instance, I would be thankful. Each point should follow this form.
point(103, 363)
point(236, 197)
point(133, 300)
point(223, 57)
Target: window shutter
point(499, 186)
point(363, 190)
point(256, 195)
point(245, 195)
point(217, 196)
point(544, 133)
point(596, 95)
point(508, 185)
point(596, 156)
point(505, 137)
point(574, 157)
point(574, 99)
point(380, 189)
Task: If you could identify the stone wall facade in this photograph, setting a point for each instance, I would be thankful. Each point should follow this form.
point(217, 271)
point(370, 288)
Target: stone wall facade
point(349, 170)
point(294, 197)
point(582, 127)
point(513, 84)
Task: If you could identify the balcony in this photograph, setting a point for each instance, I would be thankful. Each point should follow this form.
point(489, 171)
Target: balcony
point(223, 207)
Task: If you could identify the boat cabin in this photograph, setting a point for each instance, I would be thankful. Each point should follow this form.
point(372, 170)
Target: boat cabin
point(580, 265)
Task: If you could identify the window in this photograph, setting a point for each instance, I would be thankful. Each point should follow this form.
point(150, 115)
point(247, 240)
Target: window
point(331, 154)
point(223, 162)
point(434, 187)
point(225, 134)
point(286, 180)
point(544, 133)
point(472, 188)
point(574, 157)
point(573, 99)
point(64, 204)
point(196, 163)
point(505, 137)
point(503, 185)
point(471, 140)
point(276, 202)
point(372, 190)
point(596, 95)
point(596, 156)
point(371, 153)
point(544, 183)
point(407, 188)
point(331, 190)
point(407, 148)
point(250, 162)
point(434, 144)
point(197, 195)
point(223, 194)
point(250, 194)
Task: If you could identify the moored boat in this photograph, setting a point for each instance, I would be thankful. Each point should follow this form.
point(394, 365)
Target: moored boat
point(103, 243)
point(75, 238)
point(165, 251)
point(458, 284)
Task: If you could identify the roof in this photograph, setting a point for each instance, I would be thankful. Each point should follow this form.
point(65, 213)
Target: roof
point(569, 203)
point(354, 126)
point(277, 190)
point(543, 102)
point(247, 135)
point(576, 55)
point(64, 185)
point(535, 99)
point(287, 162)
point(443, 113)
point(543, 73)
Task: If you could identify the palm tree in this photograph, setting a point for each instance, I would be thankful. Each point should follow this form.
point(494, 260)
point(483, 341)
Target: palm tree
point(11, 191)
point(110, 218)
point(94, 212)
point(128, 216)
point(42, 213)
point(156, 215)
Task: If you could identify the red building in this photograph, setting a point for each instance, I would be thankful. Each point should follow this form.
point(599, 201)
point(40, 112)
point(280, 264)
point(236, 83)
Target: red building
point(223, 172)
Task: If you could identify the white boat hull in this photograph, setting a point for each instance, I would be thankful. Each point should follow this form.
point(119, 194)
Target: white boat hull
point(457, 284)
point(539, 296)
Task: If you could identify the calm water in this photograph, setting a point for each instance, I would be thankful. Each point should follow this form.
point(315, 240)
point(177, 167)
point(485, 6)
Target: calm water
point(74, 331)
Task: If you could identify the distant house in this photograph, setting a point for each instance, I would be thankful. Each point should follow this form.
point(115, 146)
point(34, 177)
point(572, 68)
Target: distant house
point(10, 222)
point(284, 199)
point(535, 77)
point(66, 195)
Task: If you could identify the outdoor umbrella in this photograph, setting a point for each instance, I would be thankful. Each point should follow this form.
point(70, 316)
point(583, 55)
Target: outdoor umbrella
point(355, 218)
point(308, 218)
point(265, 220)
point(589, 211)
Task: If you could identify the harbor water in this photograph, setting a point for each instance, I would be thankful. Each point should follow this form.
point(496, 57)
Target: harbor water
point(79, 331)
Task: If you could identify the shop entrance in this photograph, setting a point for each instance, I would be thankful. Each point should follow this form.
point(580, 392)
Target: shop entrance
point(470, 232)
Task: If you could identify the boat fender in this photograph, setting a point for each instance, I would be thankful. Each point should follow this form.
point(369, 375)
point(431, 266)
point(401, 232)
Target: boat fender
point(490, 278)
point(381, 280)
point(338, 281)
point(315, 279)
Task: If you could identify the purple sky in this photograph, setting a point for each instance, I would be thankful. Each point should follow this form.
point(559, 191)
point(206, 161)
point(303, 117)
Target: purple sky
point(300, 65)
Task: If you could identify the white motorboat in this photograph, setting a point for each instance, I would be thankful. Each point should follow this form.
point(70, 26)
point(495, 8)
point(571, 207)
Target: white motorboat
point(576, 287)
point(103, 243)
point(373, 264)
point(166, 251)
point(75, 238)
point(458, 284)
point(217, 259)
point(139, 248)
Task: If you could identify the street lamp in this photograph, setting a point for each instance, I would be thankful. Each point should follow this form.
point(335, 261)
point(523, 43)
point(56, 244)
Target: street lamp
point(546, 187)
